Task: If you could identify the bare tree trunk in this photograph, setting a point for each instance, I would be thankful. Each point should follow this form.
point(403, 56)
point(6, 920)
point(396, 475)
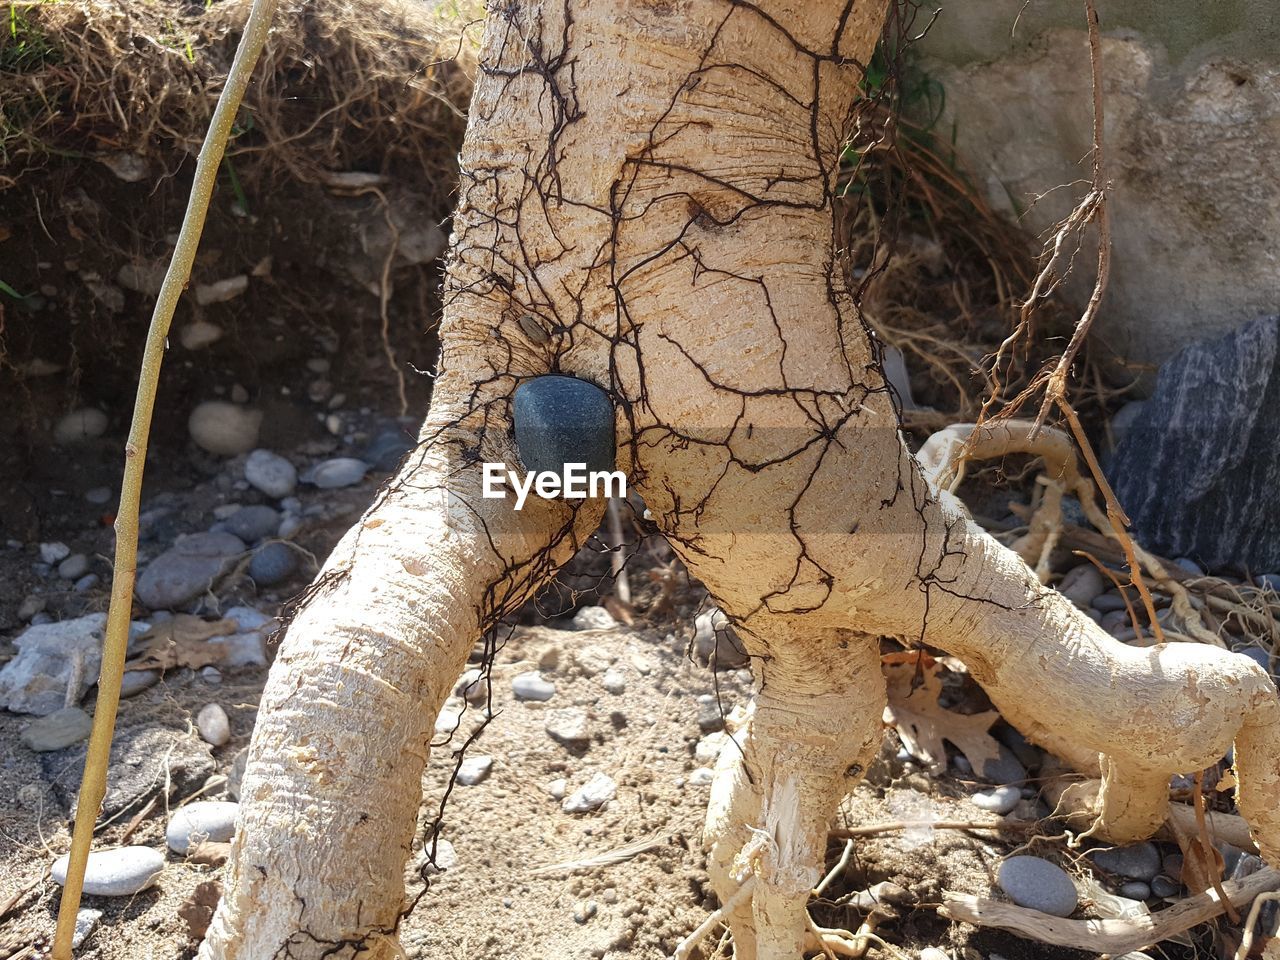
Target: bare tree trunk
point(646, 203)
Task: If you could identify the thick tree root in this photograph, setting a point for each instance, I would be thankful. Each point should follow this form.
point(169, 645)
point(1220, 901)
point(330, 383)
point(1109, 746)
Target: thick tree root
point(812, 731)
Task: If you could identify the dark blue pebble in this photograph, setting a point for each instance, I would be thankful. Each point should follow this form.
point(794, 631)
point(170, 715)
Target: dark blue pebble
point(273, 563)
point(561, 420)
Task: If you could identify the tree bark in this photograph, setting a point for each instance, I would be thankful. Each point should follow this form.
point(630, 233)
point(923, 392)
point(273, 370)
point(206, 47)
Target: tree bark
point(646, 202)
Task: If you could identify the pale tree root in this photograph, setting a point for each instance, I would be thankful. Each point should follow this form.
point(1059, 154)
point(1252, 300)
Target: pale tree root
point(1136, 716)
point(812, 730)
point(329, 803)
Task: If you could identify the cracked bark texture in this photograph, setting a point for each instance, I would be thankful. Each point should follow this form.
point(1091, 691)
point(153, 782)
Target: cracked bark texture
point(646, 203)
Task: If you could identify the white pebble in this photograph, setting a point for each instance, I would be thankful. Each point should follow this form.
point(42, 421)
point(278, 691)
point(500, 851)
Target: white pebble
point(532, 686)
point(200, 334)
point(336, 473)
point(271, 473)
point(557, 788)
point(214, 727)
point(213, 820)
point(1000, 800)
point(615, 681)
point(54, 552)
point(701, 777)
point(121, 872)
point(474, 770)
point(597, 791)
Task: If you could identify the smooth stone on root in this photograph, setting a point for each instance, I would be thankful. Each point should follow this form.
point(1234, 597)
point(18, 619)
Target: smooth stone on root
point(213, 820)
point(115, 873)
point(561, 420)
point(1138, 862)
point(187, 569)
point(532, 686)
point(594, 794)
point(1001, 800)
point(224, 428)
point(59, 729)
point(273, 563)
point(270, 473)
point(1039, 885)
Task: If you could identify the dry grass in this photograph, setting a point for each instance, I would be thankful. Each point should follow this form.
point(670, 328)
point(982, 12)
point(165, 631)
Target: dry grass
point(343, 85)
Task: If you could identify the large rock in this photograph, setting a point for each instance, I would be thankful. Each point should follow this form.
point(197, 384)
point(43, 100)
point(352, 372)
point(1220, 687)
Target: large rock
point(1198, 472)
point(187, 569)
point(53, 657)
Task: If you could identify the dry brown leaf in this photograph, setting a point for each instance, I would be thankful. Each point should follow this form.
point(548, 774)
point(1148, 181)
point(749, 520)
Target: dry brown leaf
point(197, 909)
point(914, 681)
point(182, 642)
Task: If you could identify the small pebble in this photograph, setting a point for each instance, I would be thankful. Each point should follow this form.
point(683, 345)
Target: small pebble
point(708, 748)
point(1038, 884)
point(225, 429)
point(1001, 800)
point(710, 715)
point(86, 583)
point(1163, 886)
point(201, 820)
point(568, 726)
point(614, 681)
point(472, 687)
point(701, 777)
point(59, 729)
point(271, 473)
point(474, 770)
point(1189, 565)
point(557, 788)
point(336, 473)
point(1268, 581)
point(593, 618)
point(214, 727)
point(1135, 890)
point(597, 791)
point(135, 681)
point(30, 606)
point(446, 857)
point(1106, 602)
point(1138, 862)
point(80, 425)
point(74, 567)
point(211, 675)
point(273, 563)
point(121, 872)
point(253, 523)
point(52, 553)
point(933, 953)
point(98, 496)
point(199, 334)
point(532, 686)
point(584, 910)
point(86, 922)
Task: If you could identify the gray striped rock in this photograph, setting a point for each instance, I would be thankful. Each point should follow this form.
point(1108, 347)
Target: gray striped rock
point(1198, 471)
